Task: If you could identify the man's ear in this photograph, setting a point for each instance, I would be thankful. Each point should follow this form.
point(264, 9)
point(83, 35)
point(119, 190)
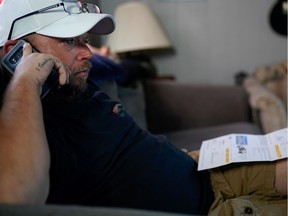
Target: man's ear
point(9, 45)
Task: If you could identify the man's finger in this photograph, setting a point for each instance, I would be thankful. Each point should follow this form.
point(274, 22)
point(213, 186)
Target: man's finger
point(27, 49)
point(63, 71)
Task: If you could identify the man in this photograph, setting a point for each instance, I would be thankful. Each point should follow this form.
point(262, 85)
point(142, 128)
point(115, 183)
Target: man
point(77, 146)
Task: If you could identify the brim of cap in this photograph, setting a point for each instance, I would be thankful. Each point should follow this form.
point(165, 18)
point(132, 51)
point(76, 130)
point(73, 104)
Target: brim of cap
point(78, 24)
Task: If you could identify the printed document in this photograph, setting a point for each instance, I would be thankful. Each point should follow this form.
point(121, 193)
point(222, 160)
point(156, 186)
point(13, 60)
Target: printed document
point(235, 148)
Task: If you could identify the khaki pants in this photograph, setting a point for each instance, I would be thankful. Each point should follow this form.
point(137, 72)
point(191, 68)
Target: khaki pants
point(245, 189)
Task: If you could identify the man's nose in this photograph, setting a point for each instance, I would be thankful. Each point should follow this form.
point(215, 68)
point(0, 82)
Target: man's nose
point(84, 54)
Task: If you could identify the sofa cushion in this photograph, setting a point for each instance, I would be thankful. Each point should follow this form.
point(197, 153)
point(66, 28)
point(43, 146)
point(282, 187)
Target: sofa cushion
point(173, 106)
point(191, 139)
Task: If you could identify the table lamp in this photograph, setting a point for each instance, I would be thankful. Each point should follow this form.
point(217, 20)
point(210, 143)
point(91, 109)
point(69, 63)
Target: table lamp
point(138, 34)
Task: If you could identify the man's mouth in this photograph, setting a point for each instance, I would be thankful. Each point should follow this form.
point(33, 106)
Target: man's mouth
point(81, 73)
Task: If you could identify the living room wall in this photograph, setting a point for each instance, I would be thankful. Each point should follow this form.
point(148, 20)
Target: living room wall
point(213, 39)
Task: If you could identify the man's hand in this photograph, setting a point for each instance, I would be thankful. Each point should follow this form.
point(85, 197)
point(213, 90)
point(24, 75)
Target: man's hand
point(36, 67)
point(193, 154)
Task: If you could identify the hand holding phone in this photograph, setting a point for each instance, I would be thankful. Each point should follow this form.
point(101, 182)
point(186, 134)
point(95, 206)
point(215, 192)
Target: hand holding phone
point(12, 59)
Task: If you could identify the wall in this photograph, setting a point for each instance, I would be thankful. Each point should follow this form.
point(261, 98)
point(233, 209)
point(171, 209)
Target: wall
point(214, 39)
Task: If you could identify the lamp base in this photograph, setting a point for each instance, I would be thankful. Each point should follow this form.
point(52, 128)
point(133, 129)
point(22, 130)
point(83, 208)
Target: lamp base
point(138, 67)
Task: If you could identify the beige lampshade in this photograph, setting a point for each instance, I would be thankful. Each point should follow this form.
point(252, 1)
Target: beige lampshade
point(137, 29)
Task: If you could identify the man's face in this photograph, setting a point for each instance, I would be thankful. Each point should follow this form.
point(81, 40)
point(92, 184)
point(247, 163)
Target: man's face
point(73, 52)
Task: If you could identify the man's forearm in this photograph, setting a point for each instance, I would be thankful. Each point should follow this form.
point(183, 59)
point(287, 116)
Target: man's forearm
point(24, 153)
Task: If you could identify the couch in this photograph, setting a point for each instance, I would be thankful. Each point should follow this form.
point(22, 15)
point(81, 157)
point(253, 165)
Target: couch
point(187, 114)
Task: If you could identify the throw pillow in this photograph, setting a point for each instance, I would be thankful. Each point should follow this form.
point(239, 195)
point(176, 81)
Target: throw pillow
point(269, 110)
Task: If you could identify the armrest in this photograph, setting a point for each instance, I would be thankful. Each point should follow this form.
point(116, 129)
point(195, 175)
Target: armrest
point(172, 106)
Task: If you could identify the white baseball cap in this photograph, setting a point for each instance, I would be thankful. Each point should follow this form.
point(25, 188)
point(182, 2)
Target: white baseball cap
point(54, 22)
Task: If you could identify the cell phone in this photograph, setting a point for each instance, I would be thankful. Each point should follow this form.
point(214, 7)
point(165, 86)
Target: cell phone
point(12, 59)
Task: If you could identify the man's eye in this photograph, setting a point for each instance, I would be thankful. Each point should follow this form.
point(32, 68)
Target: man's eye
point(70, 41)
